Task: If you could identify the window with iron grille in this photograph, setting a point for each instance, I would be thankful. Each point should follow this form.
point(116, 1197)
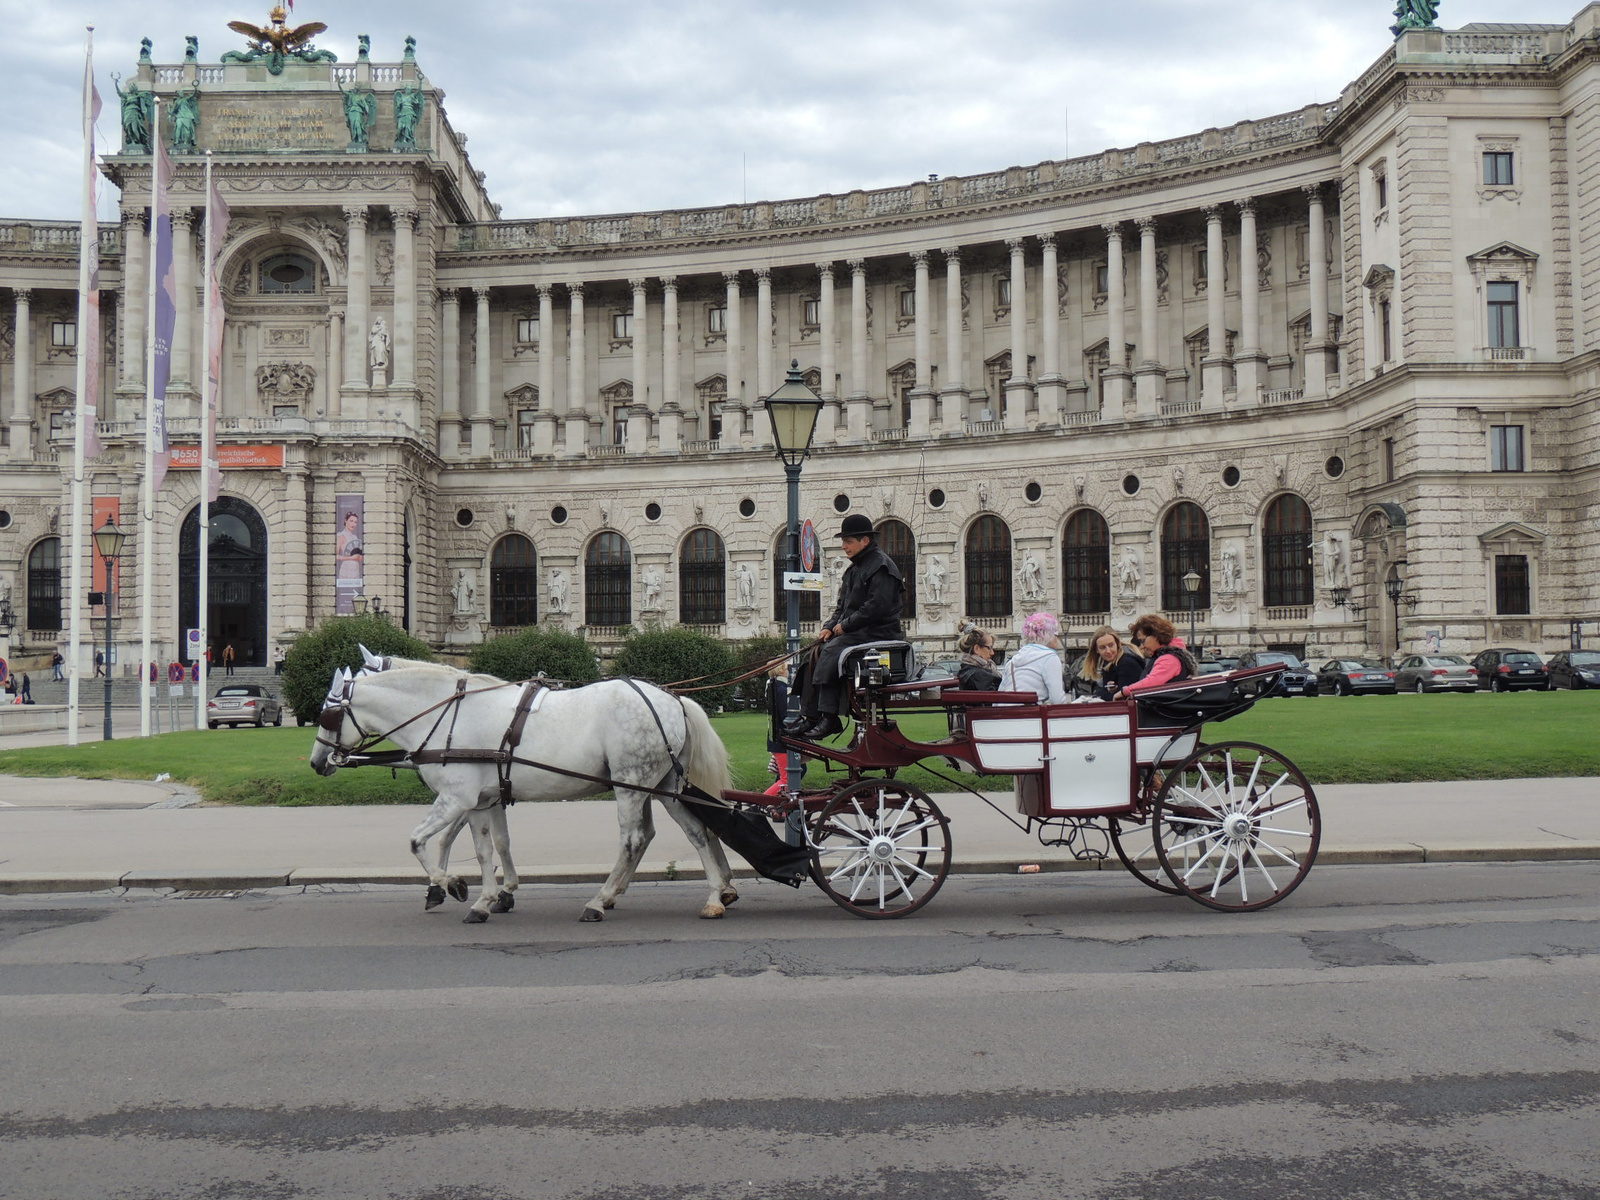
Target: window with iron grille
point(608, 581)
point(894, 537)
point(810, 602)
point(44, 585)
point(1512, 596)
point(1185, 547)
point(1286, 553)
point(988, 568)
point(513, 593)
point(702, 580)
point(1086, 563)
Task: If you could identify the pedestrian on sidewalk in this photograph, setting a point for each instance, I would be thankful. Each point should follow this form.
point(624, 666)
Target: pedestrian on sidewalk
point(99, 663)
point(55, 667)
point(277, 661)
point(25, 691)
point(227, 658)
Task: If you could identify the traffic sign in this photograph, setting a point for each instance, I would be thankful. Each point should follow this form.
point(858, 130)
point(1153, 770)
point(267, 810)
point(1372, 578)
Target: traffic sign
point(809, 550)
point(804, 581)
point(192, 643)
point(175, 673)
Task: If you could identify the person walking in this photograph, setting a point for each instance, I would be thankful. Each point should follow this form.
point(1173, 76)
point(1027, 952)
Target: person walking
point(228, 657)
point(25, 690)
point(55, 667)
point(99, 663)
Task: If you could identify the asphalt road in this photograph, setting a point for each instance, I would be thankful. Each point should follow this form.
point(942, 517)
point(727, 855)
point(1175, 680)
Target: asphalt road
point(1404, 1031)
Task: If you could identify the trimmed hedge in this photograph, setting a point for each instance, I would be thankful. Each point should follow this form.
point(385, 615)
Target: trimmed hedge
point(309, 666)
point(751, 653)
point(670, 655)
point(522, 655)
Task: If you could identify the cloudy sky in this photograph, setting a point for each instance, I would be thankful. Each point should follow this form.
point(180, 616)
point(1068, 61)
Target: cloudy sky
point(577, 106)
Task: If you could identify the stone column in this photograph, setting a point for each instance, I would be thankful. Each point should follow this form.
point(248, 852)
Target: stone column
point(544, 419)
point(669, 435)
point(638, 441)
point(404, 375)
point(291, 557)
point(922, 398)
point(860, 402)
point(358, 314)
point(1116, 372)
point(733, 368)
point(482, 414)
point(577, 430)
point(1017, 386)
point(953, 393)
point(328, 385)
point(1149, 377)
point(1250, 364)
point(1214, 368)
point(243, 404)
point(765, 385)
point(22, 380)
point(827, 419)
point(1316, 365)
point(182, 374)
point(1052, 388)
point(131, 304)
point(450, 374)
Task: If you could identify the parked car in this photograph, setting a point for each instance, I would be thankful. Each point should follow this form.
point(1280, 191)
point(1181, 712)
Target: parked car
point(243, 704)
point(1574, 669)
point(1502, 669)
point(1355, 677)
point(1421, 673)
point(1296, 681)
point(1222, 662)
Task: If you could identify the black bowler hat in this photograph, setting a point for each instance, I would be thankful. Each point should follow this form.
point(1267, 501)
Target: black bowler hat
point(856, 525)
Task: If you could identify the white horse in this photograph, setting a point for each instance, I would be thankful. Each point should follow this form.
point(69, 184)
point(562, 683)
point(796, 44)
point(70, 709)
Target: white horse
point(626, 732)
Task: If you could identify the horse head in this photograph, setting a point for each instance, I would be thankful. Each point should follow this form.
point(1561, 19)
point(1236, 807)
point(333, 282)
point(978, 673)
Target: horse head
point(329, 752)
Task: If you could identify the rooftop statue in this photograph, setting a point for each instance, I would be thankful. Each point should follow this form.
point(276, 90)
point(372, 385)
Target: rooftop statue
point(1414, 14)
point(360, 111)
point(138, 114)
point(185, 119)
point(276, 42)
point(408, 104)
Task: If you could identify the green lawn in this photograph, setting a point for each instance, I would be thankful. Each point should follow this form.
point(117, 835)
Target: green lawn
point(1367, 739)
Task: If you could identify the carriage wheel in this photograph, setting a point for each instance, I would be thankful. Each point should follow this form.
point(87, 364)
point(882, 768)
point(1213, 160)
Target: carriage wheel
point(881, 848)
point(1136, 846)
point(1237, 826)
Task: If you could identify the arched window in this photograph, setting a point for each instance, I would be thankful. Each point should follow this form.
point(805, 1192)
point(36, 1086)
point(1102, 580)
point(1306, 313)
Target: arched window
point(513, 582)
point(608, 581)
point(1286, 553)
point(702, 579)
point(810, 602)
point(1185, 547)
point(896, 540)
point(44, 585)
point(1086, 563)
point(288, 272)
point(988, 568)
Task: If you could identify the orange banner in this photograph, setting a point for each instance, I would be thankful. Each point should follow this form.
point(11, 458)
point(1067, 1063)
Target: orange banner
point(230, 458)
point(104, 507)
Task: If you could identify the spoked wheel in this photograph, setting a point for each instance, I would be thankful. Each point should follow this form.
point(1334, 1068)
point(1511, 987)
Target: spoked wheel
point(1237, 827)
point(1136, 846)
point(880, 849)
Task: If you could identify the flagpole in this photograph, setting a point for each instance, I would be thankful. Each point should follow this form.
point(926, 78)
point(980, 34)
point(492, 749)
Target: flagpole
point(147, 490)
point(208, 399)
point(88, 244)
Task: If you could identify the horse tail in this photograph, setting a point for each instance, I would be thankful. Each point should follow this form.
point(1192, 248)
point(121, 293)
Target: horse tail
point(705, 758)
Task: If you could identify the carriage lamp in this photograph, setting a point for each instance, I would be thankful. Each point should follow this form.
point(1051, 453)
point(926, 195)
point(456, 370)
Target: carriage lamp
point(359, 603)
point(1191, 586)
point(108, 543)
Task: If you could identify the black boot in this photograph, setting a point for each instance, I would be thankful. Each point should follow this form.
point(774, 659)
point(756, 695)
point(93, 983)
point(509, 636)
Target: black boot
point(796, 724)
point(826, 726)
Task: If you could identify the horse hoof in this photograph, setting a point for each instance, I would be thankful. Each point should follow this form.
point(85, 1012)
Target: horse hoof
point(435, 897)
point(503, 903)
point(729, 897)
point(474, 917)
point(592, 914)
point(712, 912)
point(457, 889)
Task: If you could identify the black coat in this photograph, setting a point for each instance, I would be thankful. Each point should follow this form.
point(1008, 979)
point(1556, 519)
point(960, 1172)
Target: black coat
point(1128, 669)
point(978, 677)
point(871, 596)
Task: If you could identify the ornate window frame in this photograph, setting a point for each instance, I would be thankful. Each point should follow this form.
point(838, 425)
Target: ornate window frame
point(1504, 262)
point(1499, 143)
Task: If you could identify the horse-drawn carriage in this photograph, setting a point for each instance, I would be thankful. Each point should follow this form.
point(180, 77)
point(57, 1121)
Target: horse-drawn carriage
point(1232, 824)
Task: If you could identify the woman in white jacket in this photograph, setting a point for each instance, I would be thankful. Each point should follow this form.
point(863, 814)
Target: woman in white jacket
point(1036, 667)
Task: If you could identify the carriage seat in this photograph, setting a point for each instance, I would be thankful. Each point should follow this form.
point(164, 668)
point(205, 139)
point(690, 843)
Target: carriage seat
point(1201, 698)
point(873, 664)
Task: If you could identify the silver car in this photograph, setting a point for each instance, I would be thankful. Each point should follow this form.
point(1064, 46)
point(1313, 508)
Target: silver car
point(243, 704)
point(1421, 673)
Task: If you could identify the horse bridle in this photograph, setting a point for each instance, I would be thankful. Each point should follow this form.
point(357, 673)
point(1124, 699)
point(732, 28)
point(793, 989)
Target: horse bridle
point(331, 721)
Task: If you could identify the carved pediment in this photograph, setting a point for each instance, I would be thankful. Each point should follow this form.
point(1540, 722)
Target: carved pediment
point(1504, 252)
point(1511, 532)
point(523, 396)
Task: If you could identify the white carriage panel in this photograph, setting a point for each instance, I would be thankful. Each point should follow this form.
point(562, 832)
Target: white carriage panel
point(1109, 725)
point(1011, 729)
point(1090, 774)
point(1150, 746)
point(1007, 758)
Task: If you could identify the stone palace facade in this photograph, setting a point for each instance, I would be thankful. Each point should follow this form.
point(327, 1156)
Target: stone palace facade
point(1299, 357)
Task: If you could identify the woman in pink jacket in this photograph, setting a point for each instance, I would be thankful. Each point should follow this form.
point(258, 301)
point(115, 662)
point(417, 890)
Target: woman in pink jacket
point(1169, 661)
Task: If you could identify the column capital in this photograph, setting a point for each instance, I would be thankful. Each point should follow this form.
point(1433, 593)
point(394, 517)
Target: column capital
point(1112, 230)
point(450, 295)
point(858, 267)
point(1213, 214)
point(1246, 206)
point(405, 216)
point(1047, 241)
point(731, 278)
point(825, 269)
point(1313, 192)
point(356, 214)
point(544, 290)
point(762, 274)
point(134, 216)
point(22, 295)
point(669, 283)
point(481, 295)
point(919, 259)
point(575, 290)
point(952, 254)
point(1017, 246)
point(1147, 226)
point(638, 284)
point(183, 218)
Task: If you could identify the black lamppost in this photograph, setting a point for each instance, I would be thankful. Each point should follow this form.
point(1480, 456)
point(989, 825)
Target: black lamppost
point(108, 540)
point(793, 410)
point(1395, 587)
point(1191, 586)
point(8, 622)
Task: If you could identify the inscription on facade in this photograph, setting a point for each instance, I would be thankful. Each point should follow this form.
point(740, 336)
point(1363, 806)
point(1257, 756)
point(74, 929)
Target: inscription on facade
point(288, 125)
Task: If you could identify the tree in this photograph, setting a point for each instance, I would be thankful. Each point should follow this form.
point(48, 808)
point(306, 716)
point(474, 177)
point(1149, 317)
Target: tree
point(309, 666)
point(674, 655)
point(524, 654)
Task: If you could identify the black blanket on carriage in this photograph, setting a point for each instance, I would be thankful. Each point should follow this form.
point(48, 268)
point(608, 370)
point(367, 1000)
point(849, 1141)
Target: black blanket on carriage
point(750, 836)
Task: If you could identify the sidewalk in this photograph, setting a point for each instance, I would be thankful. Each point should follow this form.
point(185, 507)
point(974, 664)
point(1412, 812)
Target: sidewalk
point(61, 835)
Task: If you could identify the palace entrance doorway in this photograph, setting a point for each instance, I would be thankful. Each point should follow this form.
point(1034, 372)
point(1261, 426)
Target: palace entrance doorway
point(238, 591)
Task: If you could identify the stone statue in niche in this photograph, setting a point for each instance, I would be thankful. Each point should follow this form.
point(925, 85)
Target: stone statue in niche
point(1336, 560)
point(652, 589)
point(378, 351)
point(983, 495)
point(746, 582)
point(465, 593)
point(1230, 569)
point(933, 579)
point(1128, 572)
point(1032, 576)
point(556, 584)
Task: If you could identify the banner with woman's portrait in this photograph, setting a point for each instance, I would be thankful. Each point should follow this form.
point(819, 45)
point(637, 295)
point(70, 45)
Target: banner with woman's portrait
point(349, 552)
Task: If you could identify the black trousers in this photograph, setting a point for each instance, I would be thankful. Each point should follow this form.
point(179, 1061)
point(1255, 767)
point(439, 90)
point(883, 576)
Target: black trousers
point(820, 677)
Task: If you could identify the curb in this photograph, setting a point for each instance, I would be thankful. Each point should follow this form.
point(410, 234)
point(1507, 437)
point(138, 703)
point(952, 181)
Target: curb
point(16, 883)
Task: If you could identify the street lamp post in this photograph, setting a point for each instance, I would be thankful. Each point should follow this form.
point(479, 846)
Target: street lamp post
point(8, 622)
point(793, 410)
point(108, 541)
point(1395, 587)
point(1191, 586)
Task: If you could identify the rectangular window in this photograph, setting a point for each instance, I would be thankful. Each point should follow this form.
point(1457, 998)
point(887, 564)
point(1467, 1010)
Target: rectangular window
point(1504, 326)
point(1202, 265)
point(1002, 292)
point(717, 320)
point(908, 303)
point(1380, 186)
point(64, 334)
point(286, 410)
point(619, 425)
point(528, 330)
point(1388, 460)
point(1505, 448)
point(1386, 327)
point(1497, 168)
point(1102, 279)
point(525, 428)
point(714, 423)
point(62, 422)
point(812, 313)
point(1512, 597)
point(622, 325)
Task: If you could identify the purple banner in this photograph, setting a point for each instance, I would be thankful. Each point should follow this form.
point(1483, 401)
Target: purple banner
point(166, 310)
point(349, 552)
